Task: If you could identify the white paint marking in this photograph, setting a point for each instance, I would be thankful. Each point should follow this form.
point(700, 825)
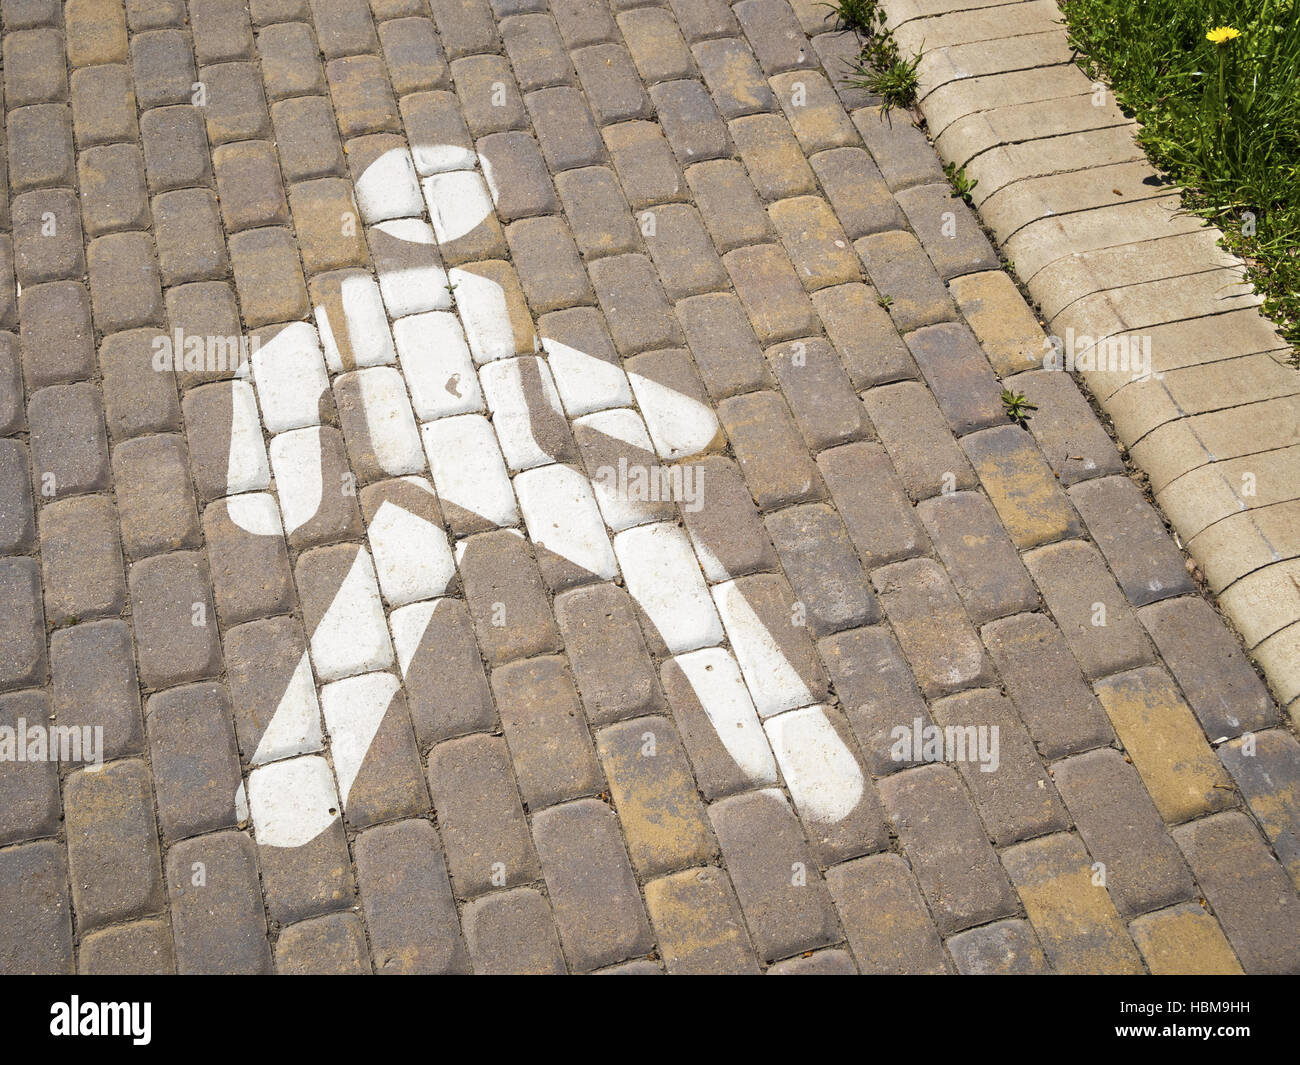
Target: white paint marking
point(458, 201)
point(393, 436)
point(715, 679)
point(290, 802)
point(352, 637)
point(824, 778)
point(620, 510)
point(661, 573)
point(561, 515)
point(246, 468)
point(468, 469)
point(484, 314)
point(296, 456)
point(773, 682)
point(256, 513)
point(389, 188)
point(421, 286)
point(437, 365)
point(503, 386)
point(586, 383)
point(366, 325)
point(409, 624)
point(412, 556)
point(354, 710)
point(290, 374)
point(294, 728)
point(678, 425)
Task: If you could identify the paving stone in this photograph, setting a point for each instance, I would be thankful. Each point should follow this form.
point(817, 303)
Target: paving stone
point(437, 653)
point(489, 99)
point(113, 857)
point(945, 841)
point(601, 221)
point(536, 51)
point(125, 287)
point(918, 439)
point(1099, 625)
point(774, 34)
point(1165, 743)
point(880, 521)
point(1072, 440)
point(982, 562)
point(899, 148)
point(216, 903)
point(906, 943)
point(816, 963)
point(56, 340)
point(512, 933)
point(776, 302)
point(1004, 948)
point(853, 184)
point(543, 723)
point(196, 767)
point(69, 445)
point(770, 450)
point(862, 332)
point(175, 148)
point(1184, 940)
point(81, 559)
point(639, 316)
point(414, 55)
point(1043, 679)
point(483, 825)
point(1265, 767)
point(682, 251)
point(814, 111)
point(290, 58)
point(692, 124)
point(29, 788)
point(729, 205)
point(250, 571)
point(40, 147)
point(548, 264)
point(902, 274)
point(584, 22)
point(268, 276)
point(142, 15)
point(698, 923)
point(188, 234)
point(307, 139)
point(603, 641)
point(163, 68)
point(958, 374)
point(155, 497)
point(645, 164)
point(610, 81)
point(564, 128)
point(506, 597)
point(598, 908)
point(236, 105)
point(23, 661)
point(785, 901)
point(249, 184)
point(948, 230)
point(268, 672)
point(772, 156)
point(1132, 538)
point(206, 310)
point(47, 237)
point(1250, 893)
point(175, 625)
point(315, 876)
point(1031, 505)
point(1122, 829)
point(656, 45)
point(378, 445)
point(723, 344)
point(1007, 329)
point(13, 417)
point(35, 72)
point(654, 791)
point(699, 19)
point(734, 79)
point(331, 945)
point(817, 245)
point(37, 937)
point(113, 194)
point(141, 948)
point(138, 399)
point(95, 684)
point(220, 417)
point(825, 571)
point(819, 392)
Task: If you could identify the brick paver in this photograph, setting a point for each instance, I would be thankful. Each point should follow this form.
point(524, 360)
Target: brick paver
point(522, 488)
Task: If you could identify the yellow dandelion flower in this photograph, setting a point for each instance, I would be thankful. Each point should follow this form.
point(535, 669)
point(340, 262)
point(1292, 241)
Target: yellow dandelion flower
point(1222, 35)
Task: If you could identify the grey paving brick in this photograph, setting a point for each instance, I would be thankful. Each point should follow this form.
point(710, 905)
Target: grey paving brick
point(251, 577)
point(691, 122)
point(918, 439)
point(959, 375)
point(584, 22)
point(774, 34)
point(261, 660)
point(249, 185)
point(155, 497)
point(37, 936)
point(1123, 830)
point(331, 945)
point(899, 148)
point(815, 242)
point(819, 392)
point(948, 230)
point(113, 860)
point(40, 147)
point(682, 251)
point(862, 332)
point(607, 652)
point(47, 237)
point(772, 156)
point(17, 519)
point(34, 68)
point(723, 344)
point(816, 963)
point(506, 598)
point(906, 943)
point(488, 95)
point(700, 19)
point(1266, 768)
point(290, 58)
point(645, 164)
point(1043, 679)
point(770, 450)
point(903, 275)
point(565, 128)
point(870, 499)
point(536, 51)
point(784, 899)
point(218, 923)
point(639, 316)
point(175, 148)
point(726, 530)
point(190, 241)
point(698, 924)
point(729, 205)
point(519, 174)
point(175, 624)
point(824, 570)
point(414, 55)
point(942, 835)
point(611, 83)
point(733, 77)
point(597, 906)
point(548, 264)
point(69, 445)
point(29, 788)
point(445, 659)
point(511, 933)
point(95, 685)
point(125, 287)
point(81, 559)
point(1021, 486)
point(195, 765)
point(1072, 439)
point(113, 194)
point(13, 416)
point(765, 281)
point(1132, 537)
point(163, 68)
point(140, 948)
point(602, 223)
point(307, 139)
point(853, 184)
point(236, 104)
point(1003, 948)
point(542, 717)
point(480, 815)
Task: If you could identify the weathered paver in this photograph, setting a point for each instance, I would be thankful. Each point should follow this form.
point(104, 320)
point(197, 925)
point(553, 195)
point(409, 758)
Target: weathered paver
point(608, 552)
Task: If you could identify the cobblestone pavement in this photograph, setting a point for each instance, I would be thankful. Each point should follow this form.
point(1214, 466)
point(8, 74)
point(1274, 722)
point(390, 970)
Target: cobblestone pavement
point(522, 486)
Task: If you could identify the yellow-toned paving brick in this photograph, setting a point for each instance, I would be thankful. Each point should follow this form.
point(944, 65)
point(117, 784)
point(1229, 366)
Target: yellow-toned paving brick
point(698, 923)
point(1184, 940)
point(1021, 485)
point(1166, 743)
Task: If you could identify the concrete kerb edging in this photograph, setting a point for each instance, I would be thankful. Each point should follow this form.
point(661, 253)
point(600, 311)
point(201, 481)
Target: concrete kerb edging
point(1138, 299)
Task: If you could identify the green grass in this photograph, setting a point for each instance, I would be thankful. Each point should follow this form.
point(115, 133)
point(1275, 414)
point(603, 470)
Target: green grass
point(880, 67)
point(1222, 119)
